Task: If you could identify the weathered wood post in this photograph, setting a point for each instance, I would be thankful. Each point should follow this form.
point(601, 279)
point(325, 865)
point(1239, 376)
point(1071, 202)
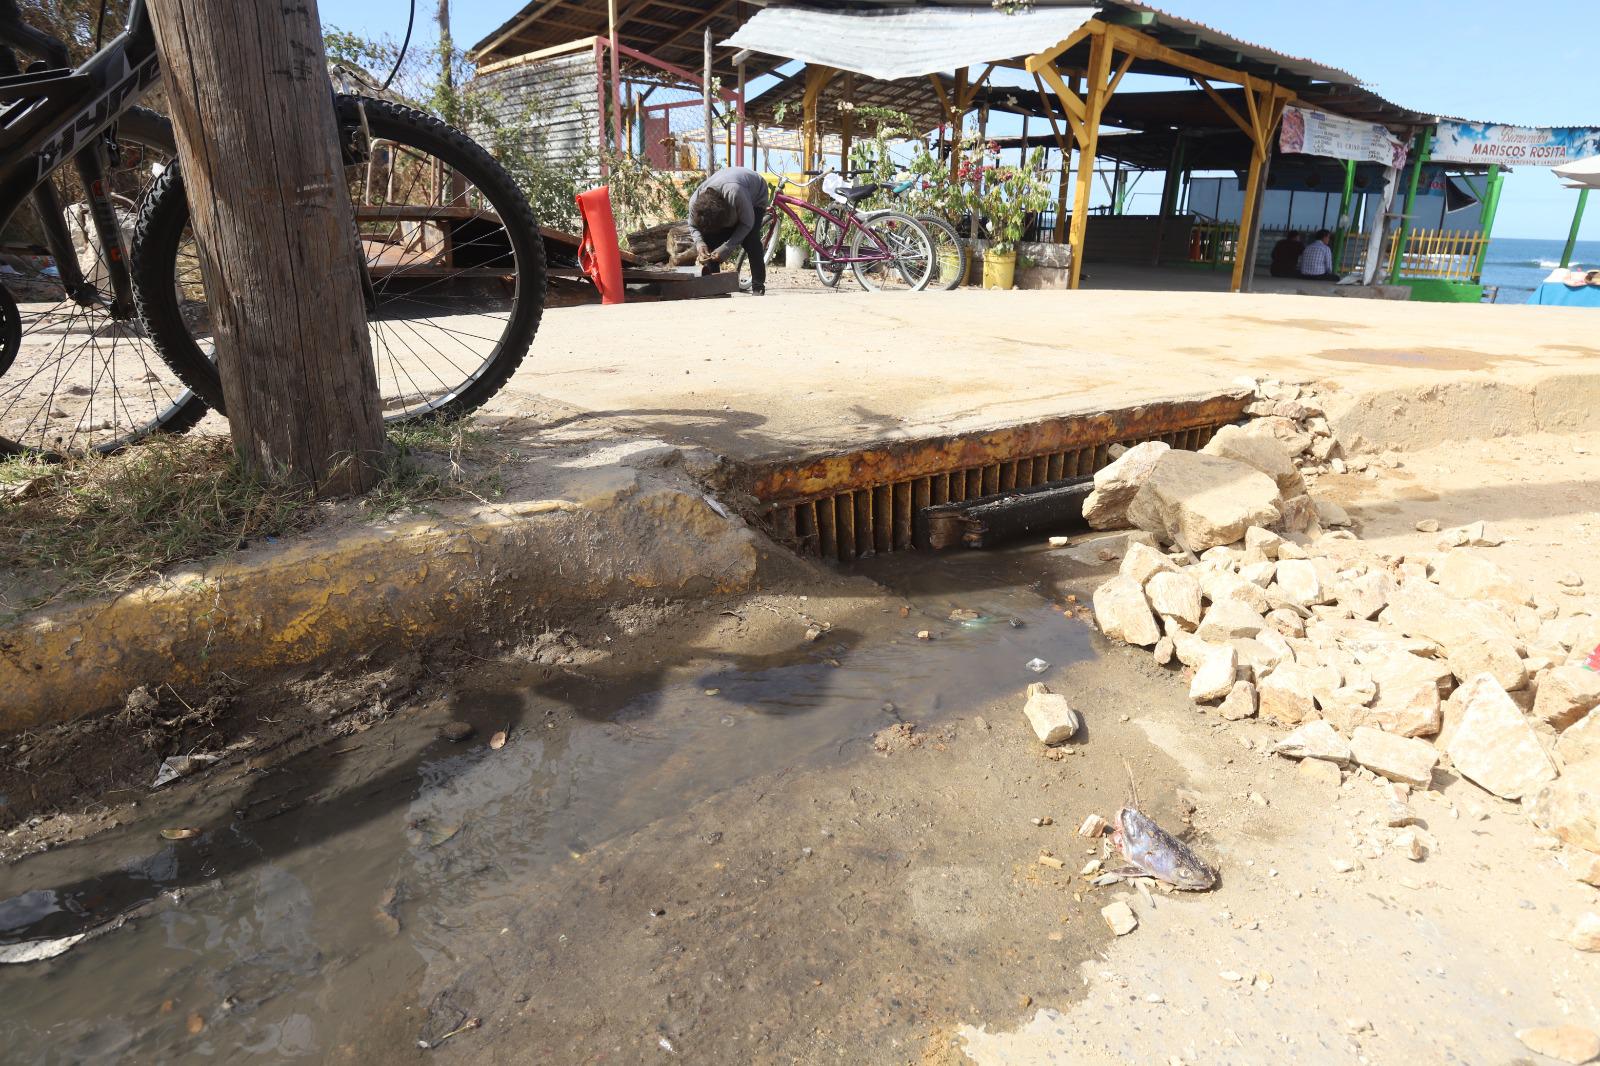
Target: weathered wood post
point(253, 114)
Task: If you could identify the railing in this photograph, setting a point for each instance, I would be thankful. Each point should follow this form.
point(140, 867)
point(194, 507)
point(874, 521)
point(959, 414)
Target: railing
point(1213, 242)
point(1451, 255)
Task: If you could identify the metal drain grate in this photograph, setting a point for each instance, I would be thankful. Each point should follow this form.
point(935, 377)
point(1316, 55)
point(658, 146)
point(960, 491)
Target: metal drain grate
point(863, 509)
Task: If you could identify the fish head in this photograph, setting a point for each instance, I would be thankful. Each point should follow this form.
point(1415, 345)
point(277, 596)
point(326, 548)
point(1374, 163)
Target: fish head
point(1160, 854)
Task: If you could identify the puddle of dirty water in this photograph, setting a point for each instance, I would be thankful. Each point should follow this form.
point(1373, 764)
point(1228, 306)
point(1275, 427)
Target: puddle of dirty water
point(319, 893)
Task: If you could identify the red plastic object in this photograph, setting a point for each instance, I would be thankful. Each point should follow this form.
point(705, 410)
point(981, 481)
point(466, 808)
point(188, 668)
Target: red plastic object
point(599, 254)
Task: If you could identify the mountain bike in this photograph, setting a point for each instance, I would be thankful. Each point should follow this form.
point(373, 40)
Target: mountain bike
point(888, 252)
point(949, 252)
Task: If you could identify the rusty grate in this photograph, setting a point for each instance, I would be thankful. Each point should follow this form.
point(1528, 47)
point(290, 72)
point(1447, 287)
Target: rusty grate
point(856, 504)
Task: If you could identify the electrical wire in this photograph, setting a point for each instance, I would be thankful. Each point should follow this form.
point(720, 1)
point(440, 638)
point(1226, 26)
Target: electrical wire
point(411, 20)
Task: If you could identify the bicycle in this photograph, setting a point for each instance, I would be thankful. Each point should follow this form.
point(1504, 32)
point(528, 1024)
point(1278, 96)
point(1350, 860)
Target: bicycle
point(453, 261)
point(898, 254)
point(949, 251)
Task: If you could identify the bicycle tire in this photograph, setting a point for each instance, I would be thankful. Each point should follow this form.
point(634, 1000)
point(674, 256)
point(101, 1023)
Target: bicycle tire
point(166, 216)
point(867, 274)
point(741, 266)
point(170, 413)
point(944, 237)
point(827, 273)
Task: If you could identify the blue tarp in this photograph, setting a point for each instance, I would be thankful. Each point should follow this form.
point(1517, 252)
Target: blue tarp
point(1558, 294)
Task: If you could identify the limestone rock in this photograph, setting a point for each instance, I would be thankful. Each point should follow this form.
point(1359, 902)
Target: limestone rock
point(1569, 807)
point(1116, 484)
point(1366, 595)
point(1586, 642)
point(1203, 500)
point(1052, 717)
point(1297, 514)
point(1493, 745)
point(1314, 740)
point(1584, 865)
point(1143, 562)
point(1259, 574)
point(1565, 1043)
point(1164, 651)
point(1286, 622)
point(1321, 773)
point(1299, 583)
point(1407, 698)
point(1474, 535)
point(1402, 759)
point(1261, 544)
point(1285, 694)
point(1218, 585)
point(1228, 619)
point(1240, 702)
point(1488, 654)
point(1122, 612)
point(1580, 741)
point(1214, 677)
point(1470, 576)
point(1294, 439)
point(1331, 514)
point(1257, 447)
point(1119, 917)
point(1566, 694)
point(1585, 936)
point(1176, 595)
point(1190, 649)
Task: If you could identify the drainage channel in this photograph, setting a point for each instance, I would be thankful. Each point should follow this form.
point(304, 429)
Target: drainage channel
point(869, 501)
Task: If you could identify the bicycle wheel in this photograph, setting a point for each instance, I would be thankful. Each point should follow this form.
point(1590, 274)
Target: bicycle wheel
point(907, 263)
point(828, 271)
point(79, 377)
point(741, 267)
point(452, 249)
point(949, 254)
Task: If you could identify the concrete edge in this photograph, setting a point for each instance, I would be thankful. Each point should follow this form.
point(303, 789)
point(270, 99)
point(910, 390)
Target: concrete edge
point(346, 594)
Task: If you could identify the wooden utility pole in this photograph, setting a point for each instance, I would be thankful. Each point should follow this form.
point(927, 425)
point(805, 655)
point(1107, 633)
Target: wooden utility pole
point(252, 110)
point(447, 54)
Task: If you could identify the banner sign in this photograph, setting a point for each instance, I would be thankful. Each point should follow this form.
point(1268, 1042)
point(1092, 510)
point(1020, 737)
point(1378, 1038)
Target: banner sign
point(1513, 146)
point(1319, 133)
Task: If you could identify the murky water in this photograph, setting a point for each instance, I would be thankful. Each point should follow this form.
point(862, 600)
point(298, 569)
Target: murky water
point(314, 898)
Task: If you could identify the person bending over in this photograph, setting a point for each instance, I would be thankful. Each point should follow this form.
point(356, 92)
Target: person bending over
point(1316, 262)
point(723, 213)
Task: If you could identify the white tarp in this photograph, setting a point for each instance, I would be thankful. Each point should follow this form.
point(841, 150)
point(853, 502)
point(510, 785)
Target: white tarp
point(905, 42)
point(1307, 132)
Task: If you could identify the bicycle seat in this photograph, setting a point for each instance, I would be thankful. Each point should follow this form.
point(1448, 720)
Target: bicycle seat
point(856, 193)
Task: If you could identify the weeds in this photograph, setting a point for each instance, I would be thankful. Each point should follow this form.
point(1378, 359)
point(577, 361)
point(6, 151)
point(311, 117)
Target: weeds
point(102, 524)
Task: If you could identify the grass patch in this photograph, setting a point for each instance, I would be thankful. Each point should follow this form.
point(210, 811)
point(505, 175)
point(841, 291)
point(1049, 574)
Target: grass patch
point(102, 524)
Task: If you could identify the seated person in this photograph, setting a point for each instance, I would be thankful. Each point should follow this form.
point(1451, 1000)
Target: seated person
point(1286, 256)
point(1316, 262)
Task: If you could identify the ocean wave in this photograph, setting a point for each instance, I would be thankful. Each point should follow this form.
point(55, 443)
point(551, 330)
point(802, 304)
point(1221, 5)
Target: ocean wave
point(1542, 264)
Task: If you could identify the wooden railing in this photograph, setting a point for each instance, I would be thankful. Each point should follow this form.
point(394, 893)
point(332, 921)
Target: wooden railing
point(1451, 255)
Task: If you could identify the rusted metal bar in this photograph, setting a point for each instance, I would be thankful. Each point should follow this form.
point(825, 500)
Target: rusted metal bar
point(992, 520)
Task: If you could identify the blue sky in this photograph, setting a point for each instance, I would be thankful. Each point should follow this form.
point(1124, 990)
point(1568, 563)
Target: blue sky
point(1471, 58)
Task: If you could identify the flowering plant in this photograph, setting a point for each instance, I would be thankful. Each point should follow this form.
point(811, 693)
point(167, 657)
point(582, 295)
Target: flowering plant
point(1004, 195)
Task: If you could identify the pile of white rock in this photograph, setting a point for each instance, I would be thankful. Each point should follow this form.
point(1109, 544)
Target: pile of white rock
point(1398, 665)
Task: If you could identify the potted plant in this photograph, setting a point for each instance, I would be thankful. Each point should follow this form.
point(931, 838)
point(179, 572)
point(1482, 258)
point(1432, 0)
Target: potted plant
point(1004, 196)
point(795, 248)
point(935, 192)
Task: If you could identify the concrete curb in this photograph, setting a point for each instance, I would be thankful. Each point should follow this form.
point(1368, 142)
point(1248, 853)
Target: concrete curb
point(375, 590)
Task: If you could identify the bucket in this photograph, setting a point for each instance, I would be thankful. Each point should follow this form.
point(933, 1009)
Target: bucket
point(999, 269)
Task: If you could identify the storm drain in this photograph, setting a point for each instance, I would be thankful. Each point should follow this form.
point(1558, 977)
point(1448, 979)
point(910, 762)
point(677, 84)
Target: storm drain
point(866, 502)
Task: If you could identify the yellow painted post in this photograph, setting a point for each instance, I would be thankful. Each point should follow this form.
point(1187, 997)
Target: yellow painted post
point(1094, 102)
point(1258, 161)
point(817, 79)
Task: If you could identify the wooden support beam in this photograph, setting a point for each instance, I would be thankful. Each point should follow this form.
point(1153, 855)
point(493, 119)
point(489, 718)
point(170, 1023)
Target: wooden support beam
point(1046, 60)
point(1050, 113)
point(1227, 109)
point(1127, 61)
point(817, 79)
point(1094, 104)
point(1076, 112)
point(944, 97)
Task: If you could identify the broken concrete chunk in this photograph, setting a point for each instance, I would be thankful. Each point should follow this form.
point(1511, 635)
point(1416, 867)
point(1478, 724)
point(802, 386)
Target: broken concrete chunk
point(1189, 649)
point(1398, 758)
point(1470, 576)
point(1052, 717)
point(1119, 918)
point(1490, 654)
point(1493, 745)
point(1227, 619)
point(1296, 514)
point(1257, 447)
point(1261, 544)
point(1314, 740)
point(1219, 585)
point(1142, 562)
point(1428, 525)
point(1585, 936)
point(1569, 807)
point(1117, 484)
point(1366, 595)
point(1566, 694)
point(1580, 741)
point(1122, 612)
point(1214, 677)
point(1475, 535)
point(1407, 698)
point(1299, 583)
point(1240, 702)
point(1175, 595)
point(1203, 500)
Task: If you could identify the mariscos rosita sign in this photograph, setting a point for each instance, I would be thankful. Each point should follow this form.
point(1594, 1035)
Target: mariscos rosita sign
point(1307, 132)
point(1513, 146)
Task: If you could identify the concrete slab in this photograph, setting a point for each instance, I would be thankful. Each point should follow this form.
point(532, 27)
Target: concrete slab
point(782, 376)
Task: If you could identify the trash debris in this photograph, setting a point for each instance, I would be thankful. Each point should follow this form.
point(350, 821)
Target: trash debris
point(179, 834)
point(1092, 826)
point(40, 950)
point(722, 512)
point(1038, 666)
point(1046, 820)
point(923, 634)
point(1050, 861)
point(666, 1045)
point(181, 766)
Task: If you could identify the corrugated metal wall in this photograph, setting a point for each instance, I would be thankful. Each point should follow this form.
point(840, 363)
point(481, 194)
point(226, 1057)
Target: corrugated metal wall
point(554, 99)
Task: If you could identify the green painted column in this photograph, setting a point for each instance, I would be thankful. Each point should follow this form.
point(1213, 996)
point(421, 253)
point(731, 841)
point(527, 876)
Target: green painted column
point(1491, 205)
point(1572, 235)
point(1422, 147)
point(1343, 221)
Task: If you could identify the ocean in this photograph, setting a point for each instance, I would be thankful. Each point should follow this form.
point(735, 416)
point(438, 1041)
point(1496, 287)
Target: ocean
point(1518, 265)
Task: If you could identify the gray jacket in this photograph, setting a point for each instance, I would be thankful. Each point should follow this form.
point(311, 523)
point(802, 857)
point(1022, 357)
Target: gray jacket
point(746, 191)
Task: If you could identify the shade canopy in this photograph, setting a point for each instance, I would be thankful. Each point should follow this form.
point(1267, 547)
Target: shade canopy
point(905, 42)
point(1584, 174)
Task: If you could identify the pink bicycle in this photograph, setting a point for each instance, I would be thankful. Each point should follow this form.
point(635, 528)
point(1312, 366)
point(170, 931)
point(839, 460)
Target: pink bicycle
point(888, 251)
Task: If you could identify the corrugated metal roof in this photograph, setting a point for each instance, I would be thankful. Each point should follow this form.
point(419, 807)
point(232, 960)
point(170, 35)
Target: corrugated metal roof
point(889, 43)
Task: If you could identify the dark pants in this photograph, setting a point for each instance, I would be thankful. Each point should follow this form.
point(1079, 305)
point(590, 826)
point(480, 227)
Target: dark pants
point(754, 252)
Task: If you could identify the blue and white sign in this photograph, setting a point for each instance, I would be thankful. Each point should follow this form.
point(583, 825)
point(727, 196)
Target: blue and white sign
point(1513, 146)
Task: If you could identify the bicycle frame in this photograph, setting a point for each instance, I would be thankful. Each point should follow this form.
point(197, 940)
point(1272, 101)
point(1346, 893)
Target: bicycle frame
point(835, 254)
point(55, 114)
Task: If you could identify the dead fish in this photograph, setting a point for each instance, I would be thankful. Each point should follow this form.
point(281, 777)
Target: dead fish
point(1153, 852)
